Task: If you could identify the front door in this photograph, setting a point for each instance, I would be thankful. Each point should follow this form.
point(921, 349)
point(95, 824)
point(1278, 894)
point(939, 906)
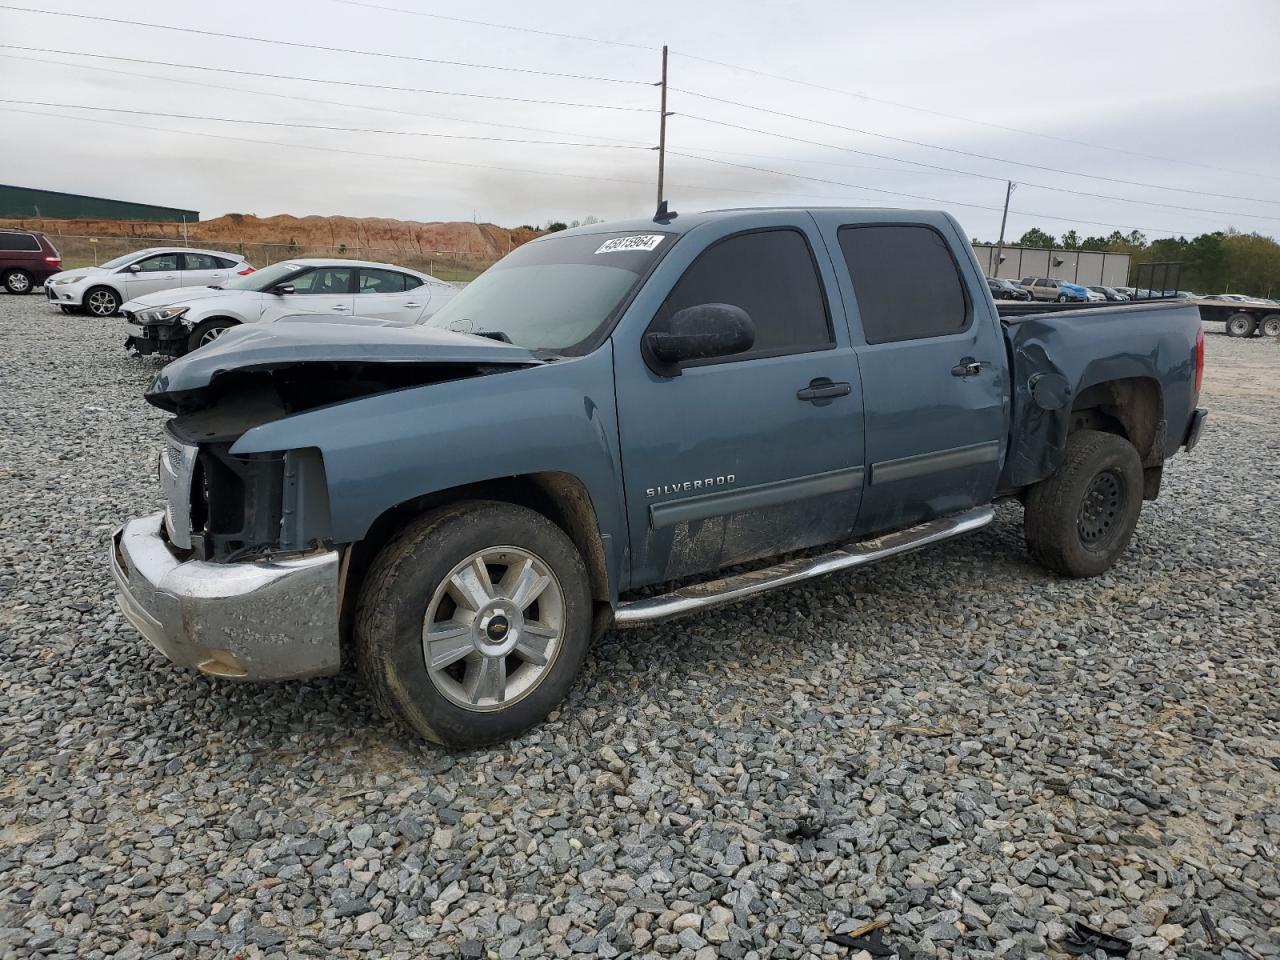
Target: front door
point(160, 271)
point(323, 290)
point(749, 455)
point(931, 353)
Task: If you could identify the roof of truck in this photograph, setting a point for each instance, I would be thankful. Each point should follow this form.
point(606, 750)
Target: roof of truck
point(684, 222)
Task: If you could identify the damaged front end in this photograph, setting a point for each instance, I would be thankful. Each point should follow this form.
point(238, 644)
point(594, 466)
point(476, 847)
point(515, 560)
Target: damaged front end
point(240, 575)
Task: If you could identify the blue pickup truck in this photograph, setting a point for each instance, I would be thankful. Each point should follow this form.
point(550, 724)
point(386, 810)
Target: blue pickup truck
point(627, 422)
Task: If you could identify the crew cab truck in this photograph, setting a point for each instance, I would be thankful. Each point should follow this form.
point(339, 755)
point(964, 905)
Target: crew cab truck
point(599, 425)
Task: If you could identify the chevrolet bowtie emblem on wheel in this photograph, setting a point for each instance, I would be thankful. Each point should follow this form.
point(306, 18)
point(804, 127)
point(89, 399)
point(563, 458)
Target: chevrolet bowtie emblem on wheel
point(688, 486)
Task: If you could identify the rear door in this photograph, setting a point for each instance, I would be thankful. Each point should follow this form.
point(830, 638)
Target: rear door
point(390, 295)
point(327, 290)
point(203, 269)
point(160, 271)
point(931, 353)
point(748, 455)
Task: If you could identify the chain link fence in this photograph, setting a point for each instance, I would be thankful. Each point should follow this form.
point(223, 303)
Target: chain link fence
point(452, 265)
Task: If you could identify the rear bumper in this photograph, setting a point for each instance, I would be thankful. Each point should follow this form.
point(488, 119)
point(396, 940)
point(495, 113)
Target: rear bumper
point(267, 620)
point(1194, 428)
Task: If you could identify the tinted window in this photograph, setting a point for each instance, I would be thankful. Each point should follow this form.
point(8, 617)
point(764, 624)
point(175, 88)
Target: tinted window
point(771, 275)
point(160, 263)
point(223, 263)
point(381, 281)
point(324, 280)
point(411, 282)
point(199, 261)
point(906, 282)
point(19, 241)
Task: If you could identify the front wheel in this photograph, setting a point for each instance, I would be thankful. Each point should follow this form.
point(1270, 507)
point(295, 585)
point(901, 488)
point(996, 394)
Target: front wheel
point(18, 281)
point(1270, 326)
point(1240, 325)
point(1079, 521)
point(102, 302)
point(473, 623)
point(207, 332)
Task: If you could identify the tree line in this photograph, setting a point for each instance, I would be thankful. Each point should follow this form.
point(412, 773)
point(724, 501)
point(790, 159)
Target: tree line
point(1220, 262)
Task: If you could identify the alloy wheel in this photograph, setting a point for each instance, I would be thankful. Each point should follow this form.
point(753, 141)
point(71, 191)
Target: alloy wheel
point(19, 283)
point(493, 628)
point(102, 303)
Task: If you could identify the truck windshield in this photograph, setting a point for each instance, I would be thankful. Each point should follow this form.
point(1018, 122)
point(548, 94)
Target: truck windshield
point(556, 292)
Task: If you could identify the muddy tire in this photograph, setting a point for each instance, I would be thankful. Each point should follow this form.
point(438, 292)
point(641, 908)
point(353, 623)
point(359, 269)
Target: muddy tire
point(1270, 325)
point(207, 332)
point(1240, 325)
point(1080, 520)
point(473, 623)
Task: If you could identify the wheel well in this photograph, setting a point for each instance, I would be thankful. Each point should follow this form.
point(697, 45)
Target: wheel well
point(1130, 408)
point(16, 270)
point(560, 497)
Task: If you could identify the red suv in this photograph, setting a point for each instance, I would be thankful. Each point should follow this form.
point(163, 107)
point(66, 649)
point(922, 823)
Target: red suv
point(27, 259)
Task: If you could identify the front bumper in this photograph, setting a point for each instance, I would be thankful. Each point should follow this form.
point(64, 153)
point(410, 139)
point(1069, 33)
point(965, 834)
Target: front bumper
point(64, 294)
point(166, 339)
point(265, 620)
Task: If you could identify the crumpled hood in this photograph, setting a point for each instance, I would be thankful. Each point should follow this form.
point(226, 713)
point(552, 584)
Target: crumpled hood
point(179, 296)
point(298, 342)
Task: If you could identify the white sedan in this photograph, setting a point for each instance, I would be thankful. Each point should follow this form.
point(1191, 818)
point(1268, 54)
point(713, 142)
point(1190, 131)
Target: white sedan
point(101, 290)
point(178, 321)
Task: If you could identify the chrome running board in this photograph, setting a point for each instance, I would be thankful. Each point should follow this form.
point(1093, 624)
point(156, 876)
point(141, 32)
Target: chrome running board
point(711, 593)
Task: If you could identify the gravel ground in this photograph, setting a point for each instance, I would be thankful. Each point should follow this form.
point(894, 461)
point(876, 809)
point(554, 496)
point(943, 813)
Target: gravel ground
point(954, 742)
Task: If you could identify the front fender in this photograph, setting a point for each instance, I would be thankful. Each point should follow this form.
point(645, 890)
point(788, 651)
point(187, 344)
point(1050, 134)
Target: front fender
point(385, 450)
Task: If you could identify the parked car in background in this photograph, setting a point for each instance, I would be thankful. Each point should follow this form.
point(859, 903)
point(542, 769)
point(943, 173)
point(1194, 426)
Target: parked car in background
point(605, 420)
point(27, 259)
point(177, 321)
point(101, 290)
point(1110, 293)
point(1051, 288)
point(1007, 289)
point(1090, 296)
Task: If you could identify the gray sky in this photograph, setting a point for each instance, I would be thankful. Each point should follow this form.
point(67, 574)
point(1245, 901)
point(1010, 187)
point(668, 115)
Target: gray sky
point(1191, 84)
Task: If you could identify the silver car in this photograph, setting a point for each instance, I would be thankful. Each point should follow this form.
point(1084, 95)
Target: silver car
point(101, 290)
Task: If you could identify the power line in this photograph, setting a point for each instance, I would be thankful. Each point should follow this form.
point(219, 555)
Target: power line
point(341, 83)
point(205, 84)
point(953, 171)
point(327, 49)
point(318, 126)
point(963, 153)
point(498, 26)
point(955, 116)
point(918, 196)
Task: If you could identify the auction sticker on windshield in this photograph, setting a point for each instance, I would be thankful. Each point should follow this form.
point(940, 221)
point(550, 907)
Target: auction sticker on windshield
point(639, 241)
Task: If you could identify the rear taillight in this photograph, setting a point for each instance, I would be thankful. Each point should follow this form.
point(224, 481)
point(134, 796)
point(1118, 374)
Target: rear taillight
point(52, 259)
point(1199, 359)
point(245, 272)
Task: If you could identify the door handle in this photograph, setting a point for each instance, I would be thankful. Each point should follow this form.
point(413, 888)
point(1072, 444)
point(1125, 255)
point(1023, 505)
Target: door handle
point(822, 391)
point(411, 304)
point(967, 367)
point(339, 308)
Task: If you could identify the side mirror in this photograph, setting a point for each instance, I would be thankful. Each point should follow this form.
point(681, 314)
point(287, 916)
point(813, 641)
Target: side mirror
point(134, 267)
point(699, 333)
point(282, 289)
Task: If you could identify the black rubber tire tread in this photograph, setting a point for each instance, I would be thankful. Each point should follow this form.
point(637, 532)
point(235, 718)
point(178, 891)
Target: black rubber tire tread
point(31, 285)
point(84, 302)
point(1270, 320)
point(193, 338)
point(1253, 324)
point(387, 629)
point(1053, 505)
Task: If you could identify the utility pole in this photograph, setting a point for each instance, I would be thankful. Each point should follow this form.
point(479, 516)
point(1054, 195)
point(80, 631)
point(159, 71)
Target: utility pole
point(662, 125)
point(1004, 217)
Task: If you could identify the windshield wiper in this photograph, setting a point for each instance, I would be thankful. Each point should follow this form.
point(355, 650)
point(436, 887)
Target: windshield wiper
point(492, 335)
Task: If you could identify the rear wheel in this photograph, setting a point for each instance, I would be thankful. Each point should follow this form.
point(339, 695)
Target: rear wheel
point(1270, 326)
point(102, 302)
point(1062, 298)
point(18, 281)
point(1080, 520)
point(207, 332)
point(474, 622)
point(1240, 325)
